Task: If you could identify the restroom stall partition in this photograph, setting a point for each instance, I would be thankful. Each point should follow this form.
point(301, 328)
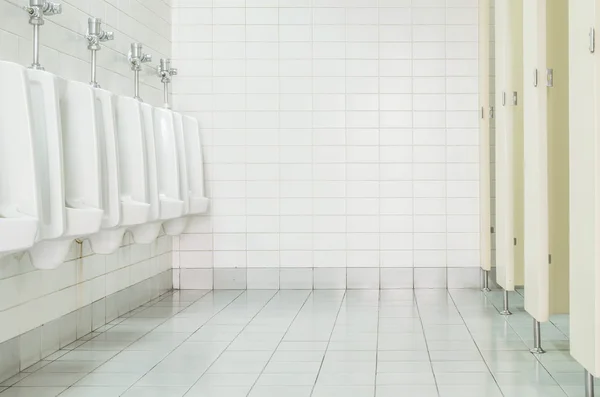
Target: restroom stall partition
point(546, 170)
point(509, 143)
point(485, 214)
point(584, 174)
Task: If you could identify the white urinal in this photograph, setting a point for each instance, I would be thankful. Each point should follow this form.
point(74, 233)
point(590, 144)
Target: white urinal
point(195, 165)
point(191, 167)
point(81, 161)
point(109, 239)
point(149, 231)
point(48, 158)
point(132, 166)
point(18, 187)
point(167, 167)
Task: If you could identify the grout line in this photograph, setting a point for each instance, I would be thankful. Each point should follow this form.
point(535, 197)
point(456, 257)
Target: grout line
point(116, 322)
point(377, 343)
point(233, 340)
point(536, 356)
point(329, 342)
point(308, 296)
point(426, 344)
point(473, 340)
point(167, 319)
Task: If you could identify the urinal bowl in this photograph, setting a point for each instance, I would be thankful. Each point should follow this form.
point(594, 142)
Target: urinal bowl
point(170, 208)
point(18, 234)
point(198, 205)
point(49, 254)
point(146, 233)
point(107, 241)
point(134, 214)
point(175, 227)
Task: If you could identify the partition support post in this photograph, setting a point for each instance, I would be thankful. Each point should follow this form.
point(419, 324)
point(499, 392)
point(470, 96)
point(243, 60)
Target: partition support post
point(537, 338)
point(505, 311)
point(589, 384)
point(485, 275)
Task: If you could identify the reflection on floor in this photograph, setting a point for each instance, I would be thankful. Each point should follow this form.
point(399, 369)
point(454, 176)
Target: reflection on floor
point(312, 343)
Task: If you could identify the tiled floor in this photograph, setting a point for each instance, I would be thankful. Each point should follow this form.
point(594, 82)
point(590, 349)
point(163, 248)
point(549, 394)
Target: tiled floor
point(312, 343)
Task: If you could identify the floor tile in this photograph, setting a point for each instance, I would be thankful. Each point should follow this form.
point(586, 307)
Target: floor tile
point(425, 343)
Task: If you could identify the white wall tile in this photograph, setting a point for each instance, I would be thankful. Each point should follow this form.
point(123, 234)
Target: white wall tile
point(296, 278)
point(363, 278)
point(330, 278)
point(260, 278)
point(340, 137)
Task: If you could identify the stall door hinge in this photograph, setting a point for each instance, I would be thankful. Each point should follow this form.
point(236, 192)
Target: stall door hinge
point(549, 77)
point(592, 40)
point(550, 258)
point(491, 112)
point(492, 229)
point(515, 241)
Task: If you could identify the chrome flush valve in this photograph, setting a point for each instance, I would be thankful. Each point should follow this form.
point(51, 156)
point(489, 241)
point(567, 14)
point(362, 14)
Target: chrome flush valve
point(37, 9)
point(165, 71)
point(137, 57)
point(95, 35)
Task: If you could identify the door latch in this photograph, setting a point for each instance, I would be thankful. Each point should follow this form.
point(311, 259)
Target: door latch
point(549, 77)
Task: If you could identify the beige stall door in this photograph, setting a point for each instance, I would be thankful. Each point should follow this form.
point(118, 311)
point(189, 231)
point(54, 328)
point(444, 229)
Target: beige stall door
point(584, 185)
point(546, 240)
point(509, 143)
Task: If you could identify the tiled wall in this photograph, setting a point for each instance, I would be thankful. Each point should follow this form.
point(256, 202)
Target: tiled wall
point(42, 310)
point(341, 142)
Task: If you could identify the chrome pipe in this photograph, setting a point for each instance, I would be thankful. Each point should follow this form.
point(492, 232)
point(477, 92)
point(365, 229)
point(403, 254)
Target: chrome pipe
point(136, 85)
point(94, 83)
point(36, 48)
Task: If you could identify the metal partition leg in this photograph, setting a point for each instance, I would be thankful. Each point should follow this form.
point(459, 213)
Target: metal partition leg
point(505, 312)
point(589, 384)
point(537, 338)
point(485, 275)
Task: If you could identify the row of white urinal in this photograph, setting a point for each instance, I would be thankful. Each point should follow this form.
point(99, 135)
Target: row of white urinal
point(80, 162)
